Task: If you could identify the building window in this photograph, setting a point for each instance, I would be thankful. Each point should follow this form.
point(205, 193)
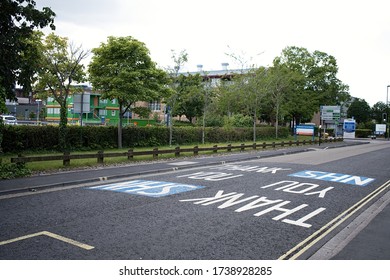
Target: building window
point(154, 106)
point(103, 112)
point(50, 111)
point(113, 113)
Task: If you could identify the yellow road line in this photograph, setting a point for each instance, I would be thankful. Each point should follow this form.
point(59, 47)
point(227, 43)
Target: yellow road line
point(326, 229)
point(52, 235)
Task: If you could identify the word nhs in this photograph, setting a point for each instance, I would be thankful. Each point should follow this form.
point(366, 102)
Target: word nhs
point(334, 177)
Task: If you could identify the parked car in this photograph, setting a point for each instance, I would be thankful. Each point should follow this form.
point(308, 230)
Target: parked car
point(7, 119)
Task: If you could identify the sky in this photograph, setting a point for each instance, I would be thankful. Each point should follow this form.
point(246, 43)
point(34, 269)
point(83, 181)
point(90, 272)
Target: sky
point(355, 32)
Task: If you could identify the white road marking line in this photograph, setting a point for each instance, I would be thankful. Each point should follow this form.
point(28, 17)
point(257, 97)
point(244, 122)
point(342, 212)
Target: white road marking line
point(52, 235)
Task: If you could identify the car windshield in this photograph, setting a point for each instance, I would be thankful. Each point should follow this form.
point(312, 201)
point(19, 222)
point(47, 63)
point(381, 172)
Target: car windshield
point(10, 118)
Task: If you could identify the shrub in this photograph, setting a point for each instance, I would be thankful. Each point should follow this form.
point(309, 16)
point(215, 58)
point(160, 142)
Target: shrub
point(34, 138)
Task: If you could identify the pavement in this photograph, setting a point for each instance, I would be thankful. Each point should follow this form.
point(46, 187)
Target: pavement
point(357, 241)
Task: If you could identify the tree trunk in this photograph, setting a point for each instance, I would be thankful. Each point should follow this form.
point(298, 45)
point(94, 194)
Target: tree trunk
point(63, 145)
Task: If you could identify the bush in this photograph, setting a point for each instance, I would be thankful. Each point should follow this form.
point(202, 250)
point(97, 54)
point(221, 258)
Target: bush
point(363, 133)
point(13, 170)
point(17, 139)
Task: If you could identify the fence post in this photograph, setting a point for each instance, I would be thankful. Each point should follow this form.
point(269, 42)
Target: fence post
point(130, 154)
point(155, 153)
point(215, 148)
point(229, 147)
point(196, 150)
point(66, 160)
point(297, 143)
point(304, 142)
point(264, 145)
point(273, 145)
point(100, 156)
point(282, 144)
point(177, 151)
point(254, 146)
point(242, 147)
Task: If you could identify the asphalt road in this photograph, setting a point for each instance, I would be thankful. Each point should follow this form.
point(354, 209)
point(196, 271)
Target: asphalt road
point(284, 207)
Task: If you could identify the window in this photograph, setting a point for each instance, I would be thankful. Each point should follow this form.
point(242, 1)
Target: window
point(102, 112)
point(113, 113)
point(154, 106)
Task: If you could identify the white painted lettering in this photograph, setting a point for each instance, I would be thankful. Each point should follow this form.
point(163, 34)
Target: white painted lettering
point(289, 184)
point(293, 188)
point(279, 207)
point(357, 180)
point(321, 193)
point(260, 202)
point(335, 177)
point(210, 176)
point(301, 221)
point(218, 195)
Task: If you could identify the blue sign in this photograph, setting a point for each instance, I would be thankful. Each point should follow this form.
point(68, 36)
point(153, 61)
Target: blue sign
point(148, 188)
point(334, 177)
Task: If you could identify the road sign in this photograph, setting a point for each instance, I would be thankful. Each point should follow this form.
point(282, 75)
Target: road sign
point(330, 113)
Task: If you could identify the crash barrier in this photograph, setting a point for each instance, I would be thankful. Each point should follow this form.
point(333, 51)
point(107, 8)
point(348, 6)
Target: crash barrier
point(130, 154)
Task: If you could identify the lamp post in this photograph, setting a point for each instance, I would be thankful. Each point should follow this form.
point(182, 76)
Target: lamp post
point(38, 100)
point(387, 113)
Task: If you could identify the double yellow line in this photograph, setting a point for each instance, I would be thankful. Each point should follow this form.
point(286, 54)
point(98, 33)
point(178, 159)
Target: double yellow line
point(306, 244)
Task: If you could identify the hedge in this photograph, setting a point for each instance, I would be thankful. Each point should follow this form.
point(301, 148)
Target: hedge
point(34, 138)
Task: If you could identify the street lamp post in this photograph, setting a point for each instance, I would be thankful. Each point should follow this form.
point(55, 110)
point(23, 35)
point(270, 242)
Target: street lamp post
point(387, 113)
point(38, 100)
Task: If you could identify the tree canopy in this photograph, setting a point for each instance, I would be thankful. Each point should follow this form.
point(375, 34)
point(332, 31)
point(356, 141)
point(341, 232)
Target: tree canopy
point(123, 69)
point(18, 20)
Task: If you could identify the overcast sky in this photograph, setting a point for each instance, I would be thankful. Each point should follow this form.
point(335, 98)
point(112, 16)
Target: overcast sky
point(356, 33)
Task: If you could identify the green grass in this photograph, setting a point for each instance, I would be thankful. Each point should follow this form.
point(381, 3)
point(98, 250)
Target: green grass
point(79, 163)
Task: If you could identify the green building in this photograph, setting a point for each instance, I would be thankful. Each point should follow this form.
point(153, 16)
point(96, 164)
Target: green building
point(85, 108)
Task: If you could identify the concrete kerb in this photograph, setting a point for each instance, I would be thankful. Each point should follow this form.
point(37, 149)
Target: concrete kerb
point(171, 169)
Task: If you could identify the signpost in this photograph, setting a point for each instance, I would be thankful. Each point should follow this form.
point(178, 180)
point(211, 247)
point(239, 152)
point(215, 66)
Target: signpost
point(330, 113)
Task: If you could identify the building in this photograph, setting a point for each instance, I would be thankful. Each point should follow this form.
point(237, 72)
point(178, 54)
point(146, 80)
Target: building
point(85, 108)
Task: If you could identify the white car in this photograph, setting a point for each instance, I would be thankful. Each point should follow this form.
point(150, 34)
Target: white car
point(7, 119)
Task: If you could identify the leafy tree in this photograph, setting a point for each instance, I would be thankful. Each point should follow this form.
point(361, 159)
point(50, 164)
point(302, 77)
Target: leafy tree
point(18, 20)
point(179, 59)
point(279, 78)
point(359, 110)
point(315, 82)
point(377, 111)
point(61, 67)
point(190, 99)
point(122, 69)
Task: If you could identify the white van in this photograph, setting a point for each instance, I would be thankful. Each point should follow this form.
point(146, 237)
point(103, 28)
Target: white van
point(7, 119)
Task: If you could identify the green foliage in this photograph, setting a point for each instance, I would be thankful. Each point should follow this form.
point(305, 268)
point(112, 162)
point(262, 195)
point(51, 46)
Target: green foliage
point(190, 97)
point(238, 120)
point(122, 69)
point(18, 20)
point(18, 139)
point(13, 170)
point(359, 110)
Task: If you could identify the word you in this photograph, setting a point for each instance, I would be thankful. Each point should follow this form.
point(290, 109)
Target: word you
point(148, 188)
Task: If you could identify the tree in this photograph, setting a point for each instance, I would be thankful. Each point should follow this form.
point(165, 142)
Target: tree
point(359, 110)
point(279, 78)
point(122, 69)
point(190, 98)
point(315, 82)
point(178, 60)
point(377, 112)
point(61, 67)
point(18, 20)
